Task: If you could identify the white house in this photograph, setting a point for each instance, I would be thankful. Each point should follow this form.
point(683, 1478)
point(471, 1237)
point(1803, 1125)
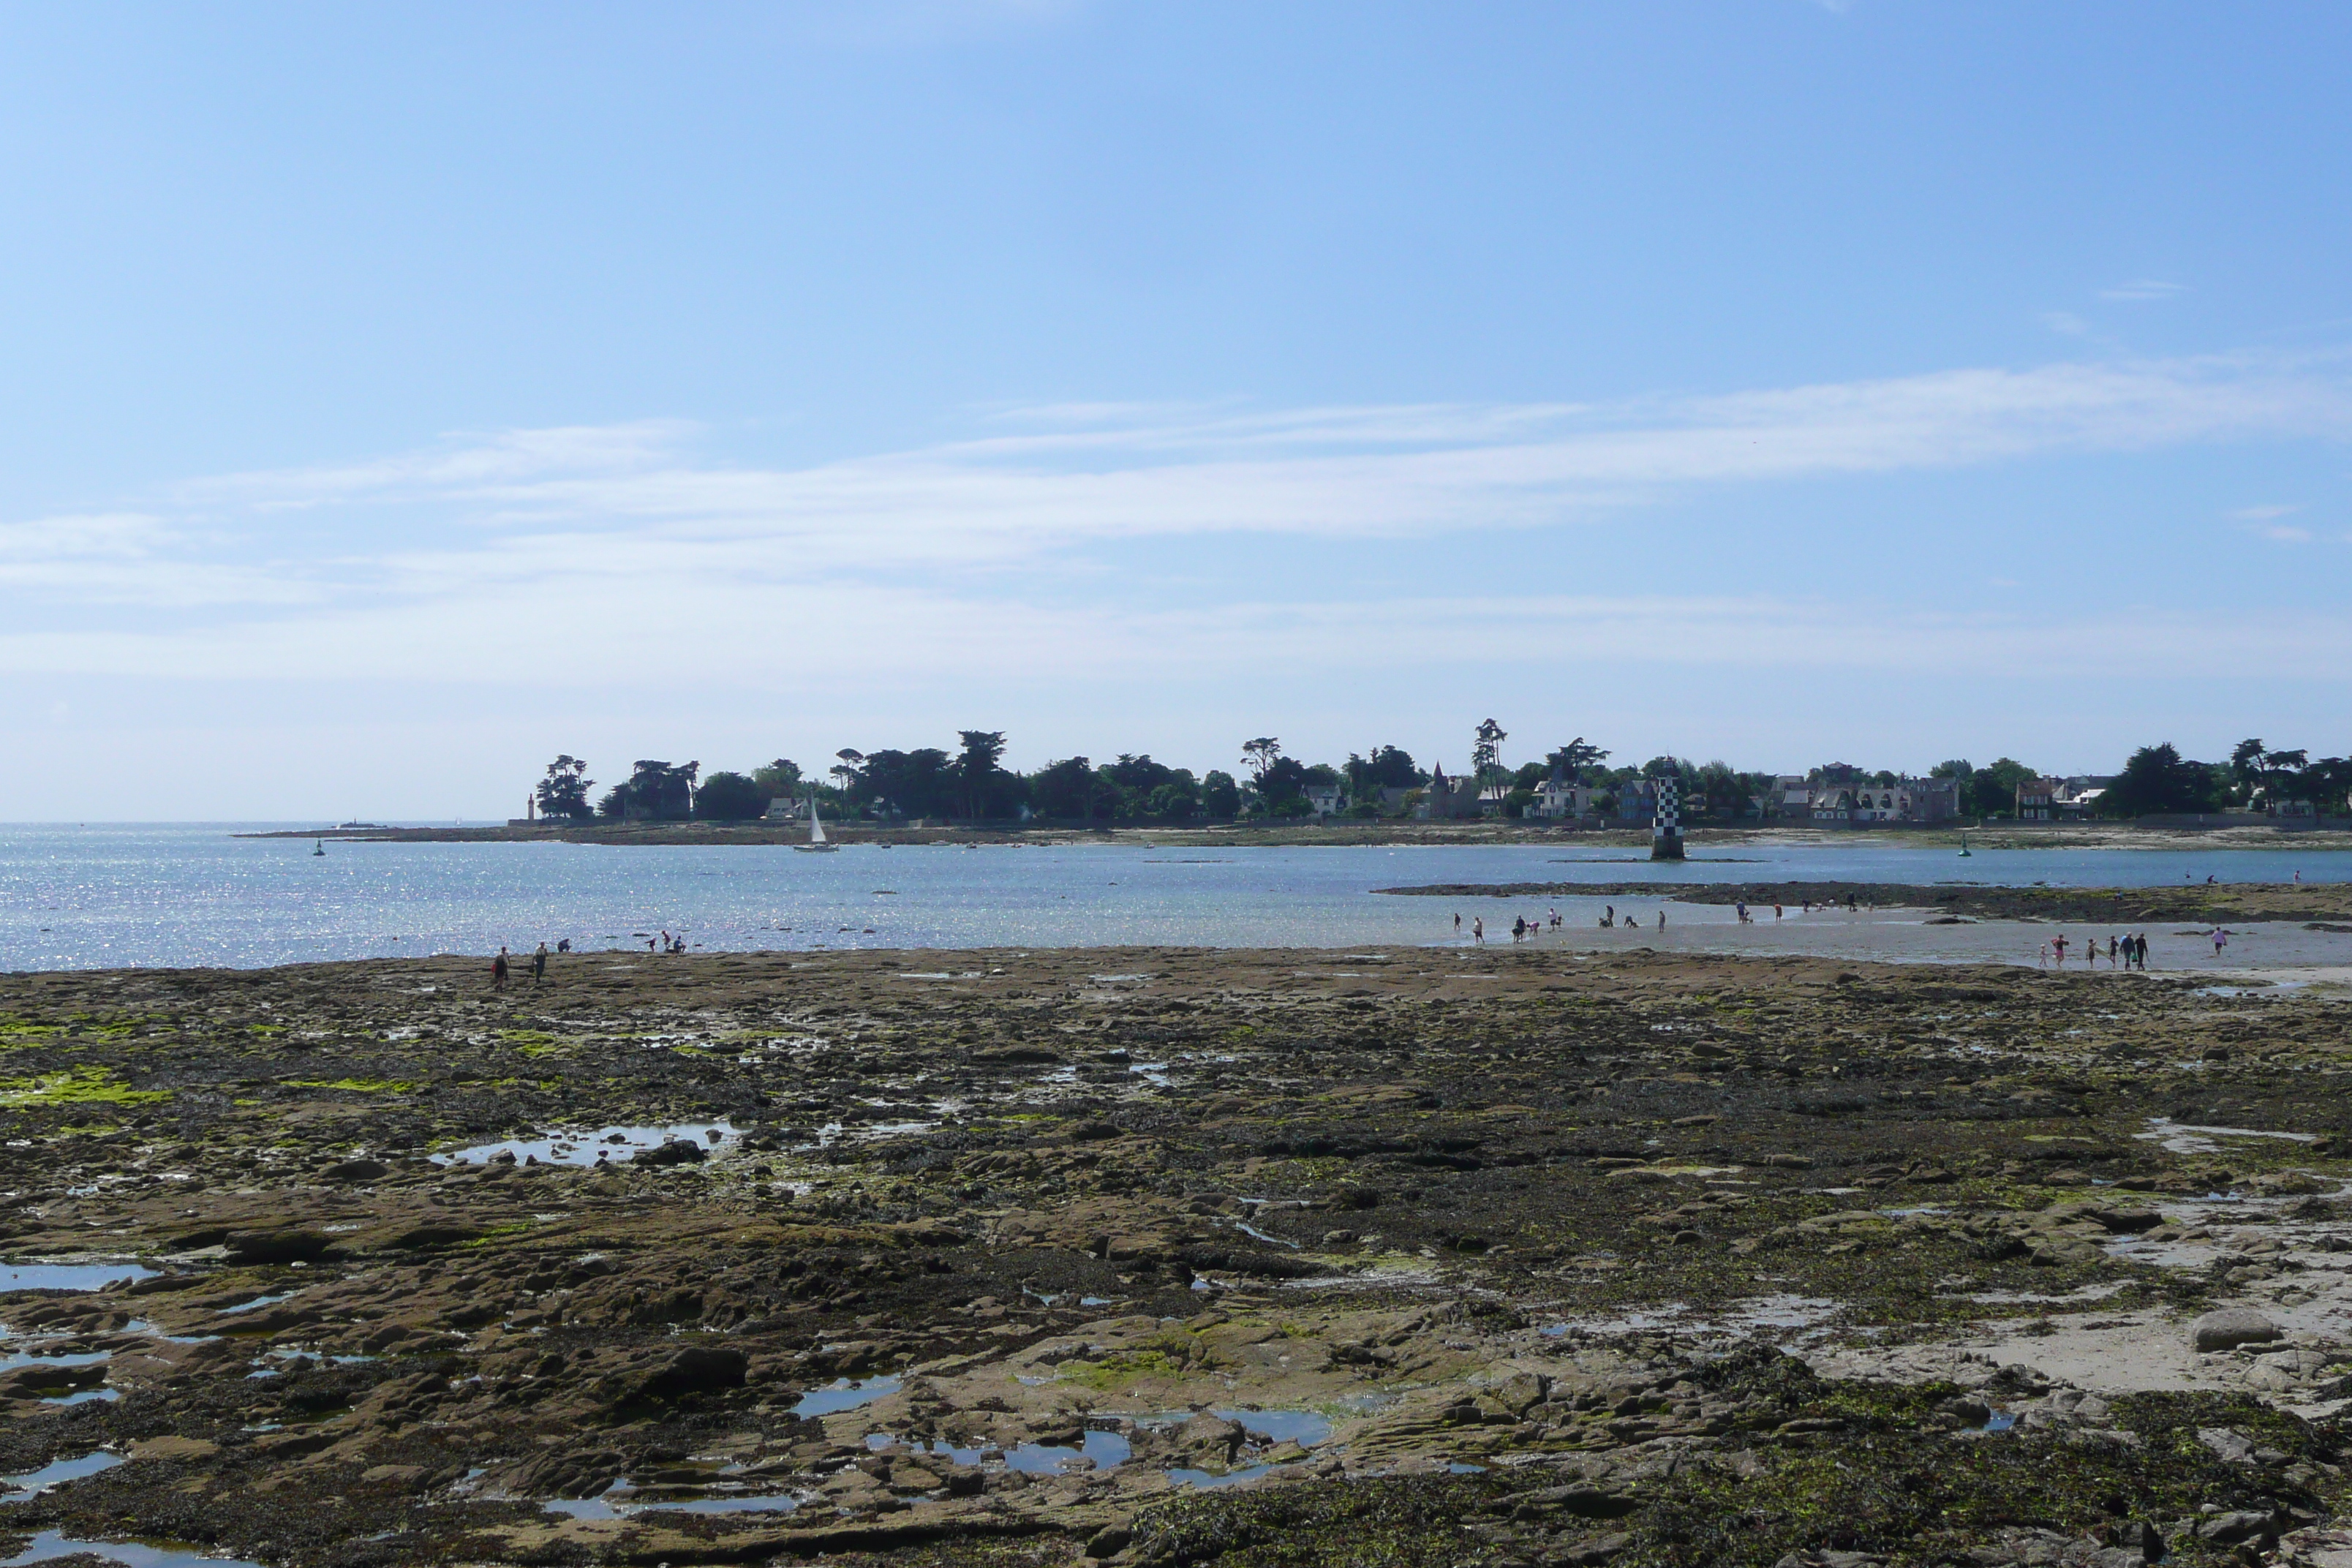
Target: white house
point(1329, 800)
point(1559, 798)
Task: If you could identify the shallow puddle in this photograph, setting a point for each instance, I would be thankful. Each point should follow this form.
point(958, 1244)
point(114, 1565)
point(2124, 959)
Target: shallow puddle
point(2190, 1138)
point(62, 1471)
point(593, 1145)
point(34, 1358)
point(1207, 1482)
point(68, 1276)
point(1305, 1428)
point(1107, 1450)
point(615, 1504)
point(844, 1393)
point(51, 1543)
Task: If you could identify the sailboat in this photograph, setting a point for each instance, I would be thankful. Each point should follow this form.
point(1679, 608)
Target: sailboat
point(816, 844)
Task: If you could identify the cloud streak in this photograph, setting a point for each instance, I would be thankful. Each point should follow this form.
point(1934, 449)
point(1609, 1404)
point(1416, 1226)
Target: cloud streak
point(482, 555)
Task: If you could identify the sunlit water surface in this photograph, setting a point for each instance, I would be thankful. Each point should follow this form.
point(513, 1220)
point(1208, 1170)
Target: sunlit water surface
point(197, 895)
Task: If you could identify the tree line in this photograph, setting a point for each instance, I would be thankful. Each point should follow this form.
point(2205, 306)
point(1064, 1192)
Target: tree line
point(971, 784)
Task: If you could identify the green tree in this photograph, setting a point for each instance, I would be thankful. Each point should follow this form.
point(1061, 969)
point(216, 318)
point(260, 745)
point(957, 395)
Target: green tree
point(1260, 754)
point(980, 780)
point(844, 772)
point(1388, 767)
point(1283, 782)
point(1221, 797)
point(1571, 761)
point(1991, 790)
point(2158, 779)
point(728, 797)
point(1066, 789)
point(564, 791)
point(656, 791)
point(1486, 758)
point(1178, 799)
point(920, 783)
point(782, 779)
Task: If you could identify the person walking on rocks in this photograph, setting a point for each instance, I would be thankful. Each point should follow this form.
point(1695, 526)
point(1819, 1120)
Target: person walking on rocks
point(538, 964)
point(498, 971)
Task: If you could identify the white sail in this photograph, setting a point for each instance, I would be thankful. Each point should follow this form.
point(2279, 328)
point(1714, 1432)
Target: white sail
point(816, 829)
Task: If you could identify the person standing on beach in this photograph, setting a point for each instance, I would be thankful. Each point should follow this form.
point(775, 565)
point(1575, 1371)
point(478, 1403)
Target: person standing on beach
point(2058, 945)
point(1776, 914)
point(1457, 923)
point(498, 971)
point(2112, 946)
point(1477, 927)
point(2143, 950)
point(538, 964)
point(2220, 941)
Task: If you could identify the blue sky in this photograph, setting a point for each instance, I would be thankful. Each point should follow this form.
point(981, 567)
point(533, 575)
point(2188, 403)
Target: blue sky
point(398, 398)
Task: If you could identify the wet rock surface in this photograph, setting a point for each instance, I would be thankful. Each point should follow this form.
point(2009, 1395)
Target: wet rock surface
point(1177, 1257)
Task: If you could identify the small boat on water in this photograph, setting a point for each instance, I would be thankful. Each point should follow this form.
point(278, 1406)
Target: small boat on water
point(320, 848)
point(1966, 853)
point(816, 844)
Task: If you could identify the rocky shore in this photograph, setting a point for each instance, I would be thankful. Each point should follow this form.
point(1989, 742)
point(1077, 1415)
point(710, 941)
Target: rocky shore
point(1170, 1257)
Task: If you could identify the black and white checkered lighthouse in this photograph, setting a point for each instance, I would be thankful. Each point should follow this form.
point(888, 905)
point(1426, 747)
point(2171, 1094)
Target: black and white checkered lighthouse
point(1666, 823)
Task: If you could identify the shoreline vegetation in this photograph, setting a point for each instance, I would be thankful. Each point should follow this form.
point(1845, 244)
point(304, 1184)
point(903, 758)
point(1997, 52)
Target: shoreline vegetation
point(1344, 832)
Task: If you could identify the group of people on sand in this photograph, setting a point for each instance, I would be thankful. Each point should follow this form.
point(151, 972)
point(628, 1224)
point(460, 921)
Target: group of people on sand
point(2122, 952)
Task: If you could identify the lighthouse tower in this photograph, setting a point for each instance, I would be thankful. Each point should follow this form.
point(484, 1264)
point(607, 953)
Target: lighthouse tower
point(1666, 824)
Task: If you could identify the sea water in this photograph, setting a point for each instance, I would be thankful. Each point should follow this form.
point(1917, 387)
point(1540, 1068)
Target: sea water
point(107, 896)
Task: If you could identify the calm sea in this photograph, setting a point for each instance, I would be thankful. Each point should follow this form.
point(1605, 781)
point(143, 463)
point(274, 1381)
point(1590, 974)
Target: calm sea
point(197, 895)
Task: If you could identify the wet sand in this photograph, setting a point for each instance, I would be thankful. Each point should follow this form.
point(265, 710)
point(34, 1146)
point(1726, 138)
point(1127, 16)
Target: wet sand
point(1416, 1256)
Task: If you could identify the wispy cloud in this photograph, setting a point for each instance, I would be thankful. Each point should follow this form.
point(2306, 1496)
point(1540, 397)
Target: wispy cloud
point(482, 553)
point(2141, 289)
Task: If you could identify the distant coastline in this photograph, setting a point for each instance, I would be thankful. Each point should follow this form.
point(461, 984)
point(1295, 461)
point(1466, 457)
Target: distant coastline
point(2003, 836)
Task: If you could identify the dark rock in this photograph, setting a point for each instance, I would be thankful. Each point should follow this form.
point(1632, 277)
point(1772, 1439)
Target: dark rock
point(286, 1245)
point(677, 1152)
point(695, 1369)
point(356, 1171)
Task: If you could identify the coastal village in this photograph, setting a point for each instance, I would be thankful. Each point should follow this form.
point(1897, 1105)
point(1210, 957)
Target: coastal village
point(1571, 788)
